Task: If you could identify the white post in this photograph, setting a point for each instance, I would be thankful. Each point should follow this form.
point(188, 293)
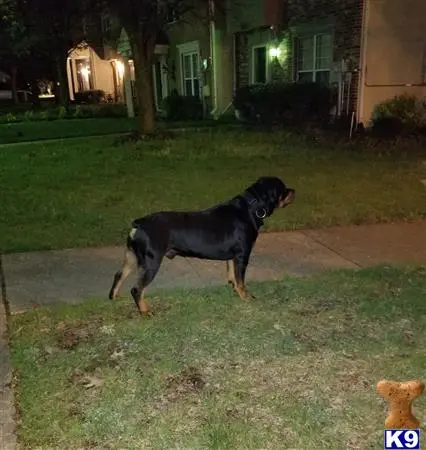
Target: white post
point(128, 90)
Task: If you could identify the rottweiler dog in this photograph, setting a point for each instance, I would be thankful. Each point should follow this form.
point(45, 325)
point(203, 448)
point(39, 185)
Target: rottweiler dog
point(225, 232)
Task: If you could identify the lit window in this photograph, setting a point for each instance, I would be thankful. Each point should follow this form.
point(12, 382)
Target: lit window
point(190, 74)
point(259, 64)
point(314, 58)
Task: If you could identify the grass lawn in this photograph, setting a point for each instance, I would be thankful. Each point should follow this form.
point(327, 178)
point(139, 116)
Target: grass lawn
point(57, 129)
point(86, 192)
point(295, 368)
point(69, 128)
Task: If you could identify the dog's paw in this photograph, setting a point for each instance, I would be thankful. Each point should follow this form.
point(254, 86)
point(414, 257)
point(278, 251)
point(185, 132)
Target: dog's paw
point(246, 296)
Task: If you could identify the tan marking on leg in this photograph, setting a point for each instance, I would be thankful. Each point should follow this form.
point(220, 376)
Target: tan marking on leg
point(143, 305)
point(230, 268)
point(241, 290)
point(128, 265)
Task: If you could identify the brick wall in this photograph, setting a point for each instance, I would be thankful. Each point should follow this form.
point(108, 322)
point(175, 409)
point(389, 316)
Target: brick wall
point(346, 17)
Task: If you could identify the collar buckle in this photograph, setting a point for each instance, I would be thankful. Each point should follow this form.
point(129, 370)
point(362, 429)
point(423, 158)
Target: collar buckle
point(260, 213)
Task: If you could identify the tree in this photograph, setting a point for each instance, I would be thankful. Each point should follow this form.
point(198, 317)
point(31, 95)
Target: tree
point(57, 27)
point(143, 21)
point(16, 42)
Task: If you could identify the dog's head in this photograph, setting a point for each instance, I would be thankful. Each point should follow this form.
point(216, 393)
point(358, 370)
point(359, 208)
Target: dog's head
point(273, 193)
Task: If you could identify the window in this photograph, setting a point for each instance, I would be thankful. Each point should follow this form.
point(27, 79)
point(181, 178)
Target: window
point(190, 74)
point(259, 64)
point(314, 58)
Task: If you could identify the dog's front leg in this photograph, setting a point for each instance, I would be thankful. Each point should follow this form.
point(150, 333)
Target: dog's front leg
point(240, 263)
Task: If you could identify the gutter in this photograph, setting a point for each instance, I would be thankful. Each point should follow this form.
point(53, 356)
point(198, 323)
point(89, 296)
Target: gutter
point(363, 67)
point(213, 56)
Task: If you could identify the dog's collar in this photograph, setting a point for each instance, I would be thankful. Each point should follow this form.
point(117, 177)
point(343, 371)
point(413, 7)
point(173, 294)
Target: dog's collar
point(257, 208)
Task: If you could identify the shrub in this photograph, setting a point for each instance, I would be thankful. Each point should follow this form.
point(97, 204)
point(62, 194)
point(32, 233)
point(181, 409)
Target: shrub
point(109, 110)
point(62, 113)
point(29, 115)
point(401, 113)
point(285, 103)
point(77, 113)
point(10, 117)
point(180, 107)
point(92, 96)
point(44, 115)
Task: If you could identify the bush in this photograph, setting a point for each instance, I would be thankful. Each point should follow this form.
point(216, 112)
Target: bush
point(93, 96)
point(44, 115)
point(28, 116)
point(180, 107)
point(10, 118)
point(108, 110)
point(402, 113)
point(285, 103)
point(62, 113)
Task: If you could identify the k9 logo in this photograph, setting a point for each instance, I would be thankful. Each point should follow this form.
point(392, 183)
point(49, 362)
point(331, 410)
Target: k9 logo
point(402, 439)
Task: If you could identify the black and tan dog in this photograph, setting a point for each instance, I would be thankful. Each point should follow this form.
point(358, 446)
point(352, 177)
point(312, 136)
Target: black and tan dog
point(225, 232)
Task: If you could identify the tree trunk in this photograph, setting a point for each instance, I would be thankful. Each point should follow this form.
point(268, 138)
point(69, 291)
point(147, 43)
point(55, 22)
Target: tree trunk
point(143, 56)
point(62, 88)
point(14, 75)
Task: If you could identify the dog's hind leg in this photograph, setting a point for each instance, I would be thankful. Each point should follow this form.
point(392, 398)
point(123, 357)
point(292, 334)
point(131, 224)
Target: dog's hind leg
point(119, 278)
point(230, 270)
point(145, 278)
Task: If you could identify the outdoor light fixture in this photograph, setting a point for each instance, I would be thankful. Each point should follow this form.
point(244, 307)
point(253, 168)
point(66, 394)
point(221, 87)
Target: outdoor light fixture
point(274, 52)
point(85, 71)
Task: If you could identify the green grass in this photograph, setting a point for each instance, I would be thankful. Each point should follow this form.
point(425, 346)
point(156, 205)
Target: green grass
point(86, 192)
point(295, 368)
point(58, 129)
point(25, 131)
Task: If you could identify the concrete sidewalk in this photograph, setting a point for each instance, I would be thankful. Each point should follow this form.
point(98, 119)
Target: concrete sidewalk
point(31, 279)
point(73, 275)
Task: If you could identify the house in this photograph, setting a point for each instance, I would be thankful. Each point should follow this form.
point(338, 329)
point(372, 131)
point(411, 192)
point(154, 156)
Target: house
point(367, 50)
point(193, 57)
point(94, 64)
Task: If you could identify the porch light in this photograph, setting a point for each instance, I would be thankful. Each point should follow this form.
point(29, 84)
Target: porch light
point(85, 71)
point(274, 52)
